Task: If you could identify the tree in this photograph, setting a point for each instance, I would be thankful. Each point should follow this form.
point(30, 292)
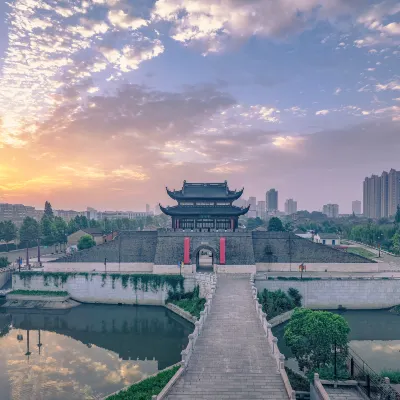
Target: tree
point(397, 216)
point(47, 230)
point(29, 233)
point(253, 223)
point(60, 230)
point(396, 242)
point(48, 211)
point(8, 232)
point(86, 242)
point(275, 225)
point(313, 336)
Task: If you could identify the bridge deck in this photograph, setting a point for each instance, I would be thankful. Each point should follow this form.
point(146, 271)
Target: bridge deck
point(232, 359)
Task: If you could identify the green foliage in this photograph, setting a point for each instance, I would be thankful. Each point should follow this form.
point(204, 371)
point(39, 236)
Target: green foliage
point(144, 390)
point(397, 216)
point(396, 243)
point(328, 372)
point(190, 301)
point(295, 295)
point(393, 375)
point(275, 225)
point(47, 230)
point(312, 336)
point(48, 211)
point(278, 302)
point(29, 232)
point(395, 310)
point(40, 293)
point(253, 223)
point(86, 242)
point(297, 381)
point(144, 282)
point(4, 262)
point(8, 232)
point(361, 252)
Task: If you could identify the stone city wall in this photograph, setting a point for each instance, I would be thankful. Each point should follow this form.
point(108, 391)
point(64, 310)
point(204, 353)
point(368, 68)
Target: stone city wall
point(5, 275)
point(356, 293)
point(141, 267)
point(99, 289)
point(329, 267)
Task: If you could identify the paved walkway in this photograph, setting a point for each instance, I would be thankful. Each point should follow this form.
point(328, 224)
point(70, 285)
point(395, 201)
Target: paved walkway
point(232, 359)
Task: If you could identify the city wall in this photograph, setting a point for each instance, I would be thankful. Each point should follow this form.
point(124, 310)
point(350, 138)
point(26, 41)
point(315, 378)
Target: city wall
point(359, 293)
point(329, 267)
point(104, 289)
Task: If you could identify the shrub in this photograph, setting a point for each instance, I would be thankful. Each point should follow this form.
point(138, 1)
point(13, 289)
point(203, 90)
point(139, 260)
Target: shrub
point(147, 388)
point(275, 303)
point(4, 262)
point(86, 242)
point(190, 301)
point(297, 381)
point(393, 375)
point(296, 296)
point(39, 293)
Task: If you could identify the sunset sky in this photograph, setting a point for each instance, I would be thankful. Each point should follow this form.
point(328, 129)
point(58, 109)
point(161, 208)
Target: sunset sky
point(103, 103)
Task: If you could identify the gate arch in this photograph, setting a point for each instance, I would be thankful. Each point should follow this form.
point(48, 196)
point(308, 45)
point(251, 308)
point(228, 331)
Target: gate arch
point(196, 255)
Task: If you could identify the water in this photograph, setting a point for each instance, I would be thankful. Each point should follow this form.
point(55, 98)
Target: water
point(87, 352)
point(374, 336)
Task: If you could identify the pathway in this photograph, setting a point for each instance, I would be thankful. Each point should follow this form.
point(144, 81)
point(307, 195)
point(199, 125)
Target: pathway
point(231, 359)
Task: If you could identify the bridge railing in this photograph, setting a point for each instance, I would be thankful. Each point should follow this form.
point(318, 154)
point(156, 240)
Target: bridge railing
point(272, 342)
point(186, 354)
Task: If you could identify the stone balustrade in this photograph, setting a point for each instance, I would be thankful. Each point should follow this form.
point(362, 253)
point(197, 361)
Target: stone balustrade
point(211, 279)
point(272, 341)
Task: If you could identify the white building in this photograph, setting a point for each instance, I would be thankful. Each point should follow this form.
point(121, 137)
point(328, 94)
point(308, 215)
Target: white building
point(252, 213)
point(356, 207)
point(330, 239)
point(262, 209)
point(331, 210)
point(290, 207)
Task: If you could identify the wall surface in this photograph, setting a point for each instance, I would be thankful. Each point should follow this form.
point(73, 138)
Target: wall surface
point(236, 269)
point(350, 293)
point(98, 267)
point(329, 267)
point(95, 289)
point(5, 275)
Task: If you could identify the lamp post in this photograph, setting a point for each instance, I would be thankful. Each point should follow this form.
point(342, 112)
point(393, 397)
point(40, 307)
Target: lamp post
point(105, 265)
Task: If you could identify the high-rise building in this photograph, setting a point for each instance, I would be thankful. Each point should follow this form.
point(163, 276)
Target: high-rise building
point(91, 213)
point(271, 198)
point(148, 209)
point(381, 194)
point(290, 207)
point(253, 207)
point(331, 210)
point(356, 207)
point(393, 191)
point(262, 209)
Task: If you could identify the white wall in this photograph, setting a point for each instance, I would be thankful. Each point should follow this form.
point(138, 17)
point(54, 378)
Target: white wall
point(94, 290)
point(5, 275)
point(236, 269)
point(329, 267)
point(97, 267)
point(350, 293)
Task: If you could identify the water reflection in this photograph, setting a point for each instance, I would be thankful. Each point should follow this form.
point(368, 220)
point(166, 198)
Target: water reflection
point(86, 353)
point(374, 335)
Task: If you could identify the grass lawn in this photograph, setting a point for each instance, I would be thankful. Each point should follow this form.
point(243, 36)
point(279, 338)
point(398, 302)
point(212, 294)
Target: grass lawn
point(147, 388)
point(361, 252)
point(39, 293)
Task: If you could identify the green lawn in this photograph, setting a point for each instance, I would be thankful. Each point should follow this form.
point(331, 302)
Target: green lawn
point(361, 252)
point(393, 375)
point(39, 293)
point(147, 388)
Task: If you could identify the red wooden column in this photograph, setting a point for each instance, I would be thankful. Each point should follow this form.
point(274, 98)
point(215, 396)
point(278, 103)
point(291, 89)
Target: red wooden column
point(222, 250)
point(186, 250)
point(232, 224)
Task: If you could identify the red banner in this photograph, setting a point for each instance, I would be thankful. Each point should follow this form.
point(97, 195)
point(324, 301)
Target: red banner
point(186, 250)
point(222, 250)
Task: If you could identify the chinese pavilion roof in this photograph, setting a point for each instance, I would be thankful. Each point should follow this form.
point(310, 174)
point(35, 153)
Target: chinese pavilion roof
point(227, 211)
point(205, 191)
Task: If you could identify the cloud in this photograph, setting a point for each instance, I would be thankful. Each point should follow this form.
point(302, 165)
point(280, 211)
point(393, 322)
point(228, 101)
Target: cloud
point(337, 91)
point(393, 85)
point(123, 20)
point(213, 22)
point(322, 112)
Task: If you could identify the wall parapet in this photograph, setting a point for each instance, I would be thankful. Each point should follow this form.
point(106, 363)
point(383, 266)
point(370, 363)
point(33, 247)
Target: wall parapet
point(272, 341)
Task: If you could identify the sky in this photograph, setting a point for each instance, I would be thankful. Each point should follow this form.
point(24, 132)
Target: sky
point(104, 103)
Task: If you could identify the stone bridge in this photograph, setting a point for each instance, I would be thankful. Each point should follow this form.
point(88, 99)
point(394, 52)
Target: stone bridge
point(232, 353)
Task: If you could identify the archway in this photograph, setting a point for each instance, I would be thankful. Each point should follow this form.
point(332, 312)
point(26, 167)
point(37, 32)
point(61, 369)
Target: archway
point(206, 258)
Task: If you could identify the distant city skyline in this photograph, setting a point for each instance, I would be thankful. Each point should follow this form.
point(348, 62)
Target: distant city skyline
point(104, 103)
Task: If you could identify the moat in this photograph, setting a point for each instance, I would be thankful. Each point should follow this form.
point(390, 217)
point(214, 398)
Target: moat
point(374, 336)
point(86, 353)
